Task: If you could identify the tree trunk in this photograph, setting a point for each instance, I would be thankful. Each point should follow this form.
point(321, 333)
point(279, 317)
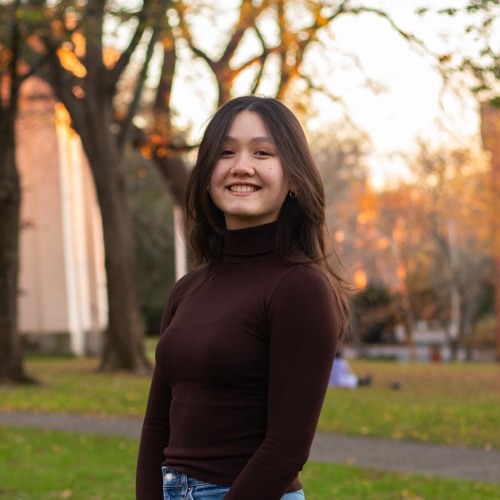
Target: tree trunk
point(11, 365)
point(175, 174)
point(123, 347)
point(173, 169)
point(490, 132)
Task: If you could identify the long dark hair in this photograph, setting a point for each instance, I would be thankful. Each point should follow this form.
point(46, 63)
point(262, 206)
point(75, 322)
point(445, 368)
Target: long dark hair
point(301, 230)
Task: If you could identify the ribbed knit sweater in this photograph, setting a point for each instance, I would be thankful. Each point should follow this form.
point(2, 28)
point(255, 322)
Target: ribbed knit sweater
point(242, 367)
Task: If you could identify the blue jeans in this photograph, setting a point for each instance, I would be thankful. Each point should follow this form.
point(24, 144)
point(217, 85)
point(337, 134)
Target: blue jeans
point(178, 486)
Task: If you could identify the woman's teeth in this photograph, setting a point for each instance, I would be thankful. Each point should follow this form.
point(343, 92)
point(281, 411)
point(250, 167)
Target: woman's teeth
point(243, 189)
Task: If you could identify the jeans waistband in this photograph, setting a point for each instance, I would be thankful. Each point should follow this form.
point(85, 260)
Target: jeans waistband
point(174, 478)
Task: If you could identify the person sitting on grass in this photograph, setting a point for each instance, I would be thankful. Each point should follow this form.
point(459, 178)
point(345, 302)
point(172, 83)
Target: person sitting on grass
point(342, 375)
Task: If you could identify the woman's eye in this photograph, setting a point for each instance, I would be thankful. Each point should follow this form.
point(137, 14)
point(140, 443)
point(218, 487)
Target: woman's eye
point(263, 153)
point(226, 152)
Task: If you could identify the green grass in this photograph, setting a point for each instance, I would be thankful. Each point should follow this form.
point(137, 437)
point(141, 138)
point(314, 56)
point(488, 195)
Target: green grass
point(442, 403)
point(332, 482)
point(40, 464)
point(69, 385)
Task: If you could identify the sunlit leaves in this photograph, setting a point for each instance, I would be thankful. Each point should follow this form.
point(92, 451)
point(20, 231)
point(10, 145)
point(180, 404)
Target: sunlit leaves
point(70, 62)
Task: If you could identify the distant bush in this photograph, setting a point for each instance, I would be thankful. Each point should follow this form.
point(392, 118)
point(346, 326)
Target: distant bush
point(482, 336)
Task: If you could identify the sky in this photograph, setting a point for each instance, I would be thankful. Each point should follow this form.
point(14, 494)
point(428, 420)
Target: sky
point(412, 105)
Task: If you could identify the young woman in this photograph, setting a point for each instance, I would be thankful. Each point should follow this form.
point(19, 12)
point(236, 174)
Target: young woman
point(247, 338)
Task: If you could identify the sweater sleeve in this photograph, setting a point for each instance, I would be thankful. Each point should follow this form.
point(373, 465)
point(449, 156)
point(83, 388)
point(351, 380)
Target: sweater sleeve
point(303, 334)
point(155, 430)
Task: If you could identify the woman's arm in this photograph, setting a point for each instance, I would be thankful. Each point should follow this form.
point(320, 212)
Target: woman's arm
point(303, 335)
point(155, 430)
point(154, 439)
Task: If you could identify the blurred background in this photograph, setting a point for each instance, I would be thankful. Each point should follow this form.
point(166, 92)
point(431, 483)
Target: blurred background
point(102, 106)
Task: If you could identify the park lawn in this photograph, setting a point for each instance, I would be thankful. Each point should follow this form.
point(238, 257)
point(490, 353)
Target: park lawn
point(443, 403)
point(70, 385)
point(40, 464)
point(455, 404)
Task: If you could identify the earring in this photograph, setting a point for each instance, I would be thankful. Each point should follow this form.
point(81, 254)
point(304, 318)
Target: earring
point(292, 194)
point(208, 188)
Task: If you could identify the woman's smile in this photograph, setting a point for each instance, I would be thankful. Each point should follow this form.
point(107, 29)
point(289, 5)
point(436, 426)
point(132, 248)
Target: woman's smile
point(243, 188)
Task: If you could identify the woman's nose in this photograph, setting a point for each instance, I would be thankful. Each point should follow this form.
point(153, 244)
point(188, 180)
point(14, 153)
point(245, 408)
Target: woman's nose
point(243, 166)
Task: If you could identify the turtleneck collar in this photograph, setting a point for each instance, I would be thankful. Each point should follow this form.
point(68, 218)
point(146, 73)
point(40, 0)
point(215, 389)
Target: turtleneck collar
point(252, 243)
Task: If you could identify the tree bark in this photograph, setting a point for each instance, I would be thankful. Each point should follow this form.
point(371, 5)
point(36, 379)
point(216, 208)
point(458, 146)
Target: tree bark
point(170, 165)
point(123, 347)
point(490, 133)
point(176, 175)
point(172, 168)
point(123, 343)
point(11, 361)
point(89, 101)
point(11, 365)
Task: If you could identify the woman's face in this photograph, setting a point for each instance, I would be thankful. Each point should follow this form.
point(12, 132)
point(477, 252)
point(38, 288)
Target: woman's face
point(248, 183)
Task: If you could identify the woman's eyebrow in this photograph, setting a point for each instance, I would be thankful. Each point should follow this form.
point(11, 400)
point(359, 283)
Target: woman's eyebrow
point(262, 138)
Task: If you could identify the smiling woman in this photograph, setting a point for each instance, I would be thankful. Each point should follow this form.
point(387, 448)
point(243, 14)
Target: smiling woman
point(248, 337)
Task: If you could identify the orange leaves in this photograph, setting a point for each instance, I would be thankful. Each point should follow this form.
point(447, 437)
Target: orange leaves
point(79, 44)
point(146, 151)
point(70, 62)
point(110, 57)
point(360, 279)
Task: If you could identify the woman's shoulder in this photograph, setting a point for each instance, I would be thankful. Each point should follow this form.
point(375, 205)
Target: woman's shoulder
point(305, 276)
point(190, 280)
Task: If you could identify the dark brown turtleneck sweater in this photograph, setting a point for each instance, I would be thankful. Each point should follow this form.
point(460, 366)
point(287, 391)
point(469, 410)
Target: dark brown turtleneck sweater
point(242, 367)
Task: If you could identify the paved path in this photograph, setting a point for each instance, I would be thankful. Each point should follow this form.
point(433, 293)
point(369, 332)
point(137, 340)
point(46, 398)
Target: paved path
point(385, 454)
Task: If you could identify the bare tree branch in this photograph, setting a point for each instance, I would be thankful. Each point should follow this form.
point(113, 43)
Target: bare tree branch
point(248, 15)
point(407, 36)
point(152, 13)
point(134, 105)
point(319, 88)
point(260, 73)
point(92, 26)
point(163, 94)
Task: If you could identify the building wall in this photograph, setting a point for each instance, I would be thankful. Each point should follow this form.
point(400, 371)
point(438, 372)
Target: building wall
point(62, 282)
